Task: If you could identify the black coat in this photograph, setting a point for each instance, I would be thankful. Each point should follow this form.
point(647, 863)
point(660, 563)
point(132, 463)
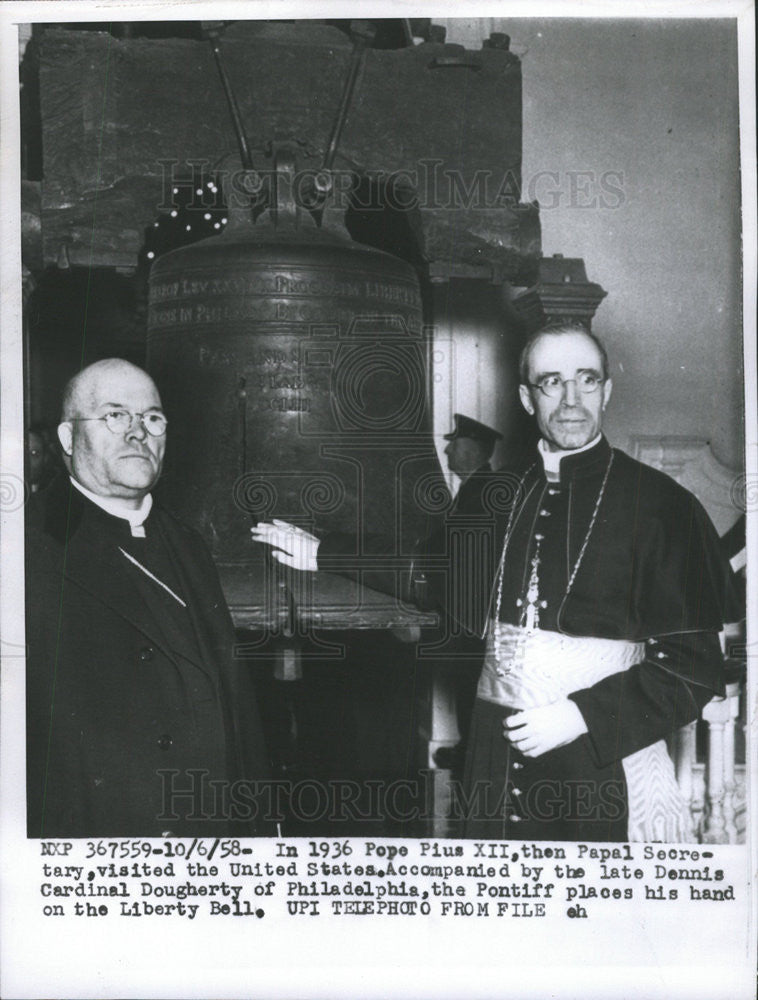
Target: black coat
point(458, 560)
point(127, 691)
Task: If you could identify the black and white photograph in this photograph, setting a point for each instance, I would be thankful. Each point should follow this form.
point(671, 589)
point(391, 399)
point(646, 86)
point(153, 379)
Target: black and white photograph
point(378, 486)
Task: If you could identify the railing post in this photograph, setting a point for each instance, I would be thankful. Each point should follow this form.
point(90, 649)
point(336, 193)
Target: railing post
point(684, 761)
point(717, 714)
point(730, 781)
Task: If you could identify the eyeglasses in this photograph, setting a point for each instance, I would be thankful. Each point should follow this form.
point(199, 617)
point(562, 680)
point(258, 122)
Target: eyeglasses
point(553, 385)
point(122, 421)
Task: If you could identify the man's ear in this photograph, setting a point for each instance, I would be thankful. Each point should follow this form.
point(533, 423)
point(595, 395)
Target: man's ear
point(66, 437)
point(607, 390)
point(526, 399)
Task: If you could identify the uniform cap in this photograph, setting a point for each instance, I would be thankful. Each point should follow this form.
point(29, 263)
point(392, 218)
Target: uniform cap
point(468, 428)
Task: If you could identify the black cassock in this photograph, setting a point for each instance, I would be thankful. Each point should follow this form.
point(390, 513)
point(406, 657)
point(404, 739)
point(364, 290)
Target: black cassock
point(652, 573)
point(135, 702)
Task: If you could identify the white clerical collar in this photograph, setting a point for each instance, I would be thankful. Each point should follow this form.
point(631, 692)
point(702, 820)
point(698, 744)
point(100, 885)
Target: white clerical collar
point(119, 508)
point(552, 459)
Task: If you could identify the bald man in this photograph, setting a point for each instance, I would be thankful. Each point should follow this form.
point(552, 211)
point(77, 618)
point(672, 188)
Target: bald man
point(139, 721)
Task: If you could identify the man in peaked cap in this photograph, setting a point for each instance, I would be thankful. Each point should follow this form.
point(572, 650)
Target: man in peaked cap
point(469, 450)
point(468, 453)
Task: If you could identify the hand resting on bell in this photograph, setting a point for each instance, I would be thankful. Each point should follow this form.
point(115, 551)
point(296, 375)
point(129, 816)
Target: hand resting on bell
point(291, 546)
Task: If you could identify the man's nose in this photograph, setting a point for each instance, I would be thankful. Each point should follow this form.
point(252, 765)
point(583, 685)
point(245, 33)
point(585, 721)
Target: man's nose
point(137, 429)
point(569, 392)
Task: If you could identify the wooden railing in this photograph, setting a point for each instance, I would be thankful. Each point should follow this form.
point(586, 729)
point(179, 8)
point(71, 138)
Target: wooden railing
point(713, 781)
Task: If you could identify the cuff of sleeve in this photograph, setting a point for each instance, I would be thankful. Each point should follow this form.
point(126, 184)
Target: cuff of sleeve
point(581, 703)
